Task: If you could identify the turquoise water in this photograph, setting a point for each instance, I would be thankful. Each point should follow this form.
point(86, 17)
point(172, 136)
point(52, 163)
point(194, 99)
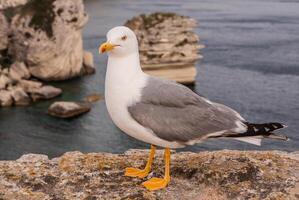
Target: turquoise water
point(251, 63)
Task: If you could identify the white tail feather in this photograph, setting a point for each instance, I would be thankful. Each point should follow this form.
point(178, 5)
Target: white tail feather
point(252, 140)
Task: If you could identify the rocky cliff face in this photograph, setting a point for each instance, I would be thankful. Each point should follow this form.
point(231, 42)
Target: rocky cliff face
point(46, 35)
point(40, 40)
point(168, 46)
point(203, 176)
point(11, 3)
point(3, 32)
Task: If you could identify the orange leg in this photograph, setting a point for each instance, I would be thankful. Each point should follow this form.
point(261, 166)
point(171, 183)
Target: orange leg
point(160, 183)
point(141, 173)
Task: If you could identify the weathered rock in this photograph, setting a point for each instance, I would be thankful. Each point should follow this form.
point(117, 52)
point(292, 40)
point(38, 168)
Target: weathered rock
point(3, 32)
point(93, 98)
point(18, 71)
point(65, 109)
point(5, 98)
point(20, 97)
point(214, 175)
point(29, 86)
point(4, 81)
point(167, 42)
point(185, 74)
point(5, 71)
point(88, 63)
point(47, 36)
point(11, 3)
point(44, 92)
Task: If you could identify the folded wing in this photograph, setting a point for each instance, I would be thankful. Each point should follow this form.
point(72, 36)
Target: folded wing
point(175, 113)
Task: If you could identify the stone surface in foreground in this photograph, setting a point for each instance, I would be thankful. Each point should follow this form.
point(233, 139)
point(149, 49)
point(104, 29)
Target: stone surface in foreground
point(206, 175)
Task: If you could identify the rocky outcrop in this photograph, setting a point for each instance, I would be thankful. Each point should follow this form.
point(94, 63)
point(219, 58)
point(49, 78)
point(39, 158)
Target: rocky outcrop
point(69, 109)
point(5, 98)
point(11, 3)
point(204, 176)
point(30, 86)
point(64, 109)
point(18, 71)
point(47, 36)
point(44, 92)
point(3, 32)
point(19, 96)
point(17, 89)
point(4, 81)
point(40, 40)
point(168, 46)
point(88, 63)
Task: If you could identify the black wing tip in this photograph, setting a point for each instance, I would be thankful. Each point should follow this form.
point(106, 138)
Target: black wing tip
point(284, 125)
point(265, 130)
point(277, 125)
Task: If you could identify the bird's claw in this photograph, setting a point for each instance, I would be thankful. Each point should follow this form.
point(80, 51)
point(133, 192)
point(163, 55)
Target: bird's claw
point(155, 183)
point(134, 172)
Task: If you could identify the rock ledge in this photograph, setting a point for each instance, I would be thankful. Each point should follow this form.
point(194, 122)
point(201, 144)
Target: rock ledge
point(205, 175)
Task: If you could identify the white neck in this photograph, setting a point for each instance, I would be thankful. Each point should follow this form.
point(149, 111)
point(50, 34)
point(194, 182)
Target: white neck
point(124, 77)
point(124, 68)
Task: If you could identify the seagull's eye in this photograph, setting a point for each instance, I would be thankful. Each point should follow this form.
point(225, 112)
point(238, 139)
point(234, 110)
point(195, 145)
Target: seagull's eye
point(123, 38)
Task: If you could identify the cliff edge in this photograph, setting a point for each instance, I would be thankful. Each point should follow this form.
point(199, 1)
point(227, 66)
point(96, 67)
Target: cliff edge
point(205, 175)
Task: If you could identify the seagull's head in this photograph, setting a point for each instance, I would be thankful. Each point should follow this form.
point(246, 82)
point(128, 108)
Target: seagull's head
point(121, 41)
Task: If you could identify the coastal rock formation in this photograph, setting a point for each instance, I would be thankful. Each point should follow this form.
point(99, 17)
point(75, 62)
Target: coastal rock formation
point(19, 96)
point(4, 81)
point(18, 71)
point(40, 40)
point(30, 86)
point(16, 89)
point(5, 98)
point(168, 46)
point(44, 92)
point(214, 175)
point(69, 109)
point(11, 3)
point(48, 36)
point(88, 63)
point(3, 32)
point(64, 109)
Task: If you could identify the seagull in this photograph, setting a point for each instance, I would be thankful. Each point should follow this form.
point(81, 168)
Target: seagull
point(164, 113)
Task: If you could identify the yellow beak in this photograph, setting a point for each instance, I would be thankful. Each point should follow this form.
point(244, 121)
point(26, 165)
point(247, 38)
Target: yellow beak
point(106, 47)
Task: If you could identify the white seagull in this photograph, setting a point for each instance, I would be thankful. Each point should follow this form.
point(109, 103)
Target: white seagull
point(164, 113)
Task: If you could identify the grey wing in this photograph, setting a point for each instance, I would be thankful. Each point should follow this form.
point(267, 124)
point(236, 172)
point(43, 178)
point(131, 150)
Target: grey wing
point(175, 113)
